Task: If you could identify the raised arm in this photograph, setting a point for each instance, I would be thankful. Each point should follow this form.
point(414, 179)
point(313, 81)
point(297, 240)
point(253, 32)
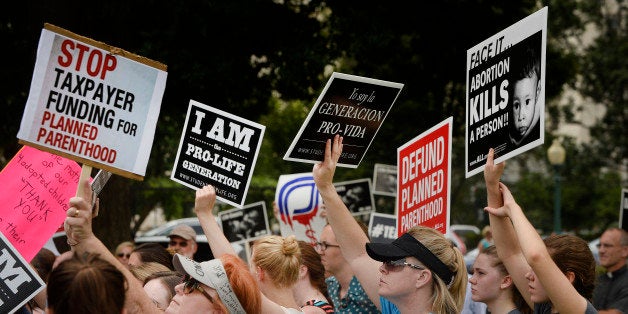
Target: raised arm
point(504, 236)
point(78, 226)
point(203, 205)
point(349, 235)
point(563, 295)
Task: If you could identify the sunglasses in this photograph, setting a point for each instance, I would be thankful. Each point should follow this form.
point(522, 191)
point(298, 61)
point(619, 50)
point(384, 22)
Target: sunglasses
point(190, 284)
point(127, 255)
point(396, 265)
point(178, 243)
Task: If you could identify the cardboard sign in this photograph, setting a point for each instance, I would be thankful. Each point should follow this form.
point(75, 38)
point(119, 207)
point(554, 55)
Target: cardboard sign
point(246, 224)
point(37, 189)
point(506, 93)
point(424, 180)
point(93, 103)
point(300, 207)
point(385, 179)
point(18, 281)
point(220, 149)
point(623, 210)
point(382, 228)
point(357, 196)
point(352, 106)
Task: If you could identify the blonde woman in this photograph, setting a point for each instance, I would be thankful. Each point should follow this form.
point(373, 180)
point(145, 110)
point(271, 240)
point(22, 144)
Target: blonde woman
point(274, 261)
point(420, 272)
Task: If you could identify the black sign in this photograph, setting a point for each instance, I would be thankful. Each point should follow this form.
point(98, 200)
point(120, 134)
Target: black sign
point(220, 149)
point(352, 106)
point(506, 93)
point(623, 212)
point(356, 195)
point(382, 228)
point(385, 180)
point(246, 224)
point(18, 281)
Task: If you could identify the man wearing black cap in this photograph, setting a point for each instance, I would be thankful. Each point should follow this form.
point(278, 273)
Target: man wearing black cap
point(414, 276)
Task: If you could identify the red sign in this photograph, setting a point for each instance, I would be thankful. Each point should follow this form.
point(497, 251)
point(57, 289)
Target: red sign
point(423, 180)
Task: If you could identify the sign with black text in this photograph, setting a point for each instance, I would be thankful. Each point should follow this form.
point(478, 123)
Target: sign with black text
point(424, 180)
point(354, 107)
point(219, 149)
point(93, 103)
point(245, 224)
point(623, 211)
point(505, 101)
point(382, 228)
point(18, 281)
point(356, 195)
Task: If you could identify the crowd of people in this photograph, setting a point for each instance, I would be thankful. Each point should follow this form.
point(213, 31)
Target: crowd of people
point(516, 270)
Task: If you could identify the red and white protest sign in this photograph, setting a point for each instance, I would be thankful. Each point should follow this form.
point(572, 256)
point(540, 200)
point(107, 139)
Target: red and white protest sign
point(93, 103)
point(423, 180)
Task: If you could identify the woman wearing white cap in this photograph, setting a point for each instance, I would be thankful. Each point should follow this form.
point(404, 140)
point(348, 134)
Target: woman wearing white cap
point(420, 272)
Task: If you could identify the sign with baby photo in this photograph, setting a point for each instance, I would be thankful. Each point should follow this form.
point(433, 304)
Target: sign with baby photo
point(505, 103)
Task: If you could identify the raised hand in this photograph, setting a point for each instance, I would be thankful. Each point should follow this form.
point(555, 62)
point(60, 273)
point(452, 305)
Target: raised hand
point(492, 171)
point(323, 172)
point(205, 200)
point(509, 203)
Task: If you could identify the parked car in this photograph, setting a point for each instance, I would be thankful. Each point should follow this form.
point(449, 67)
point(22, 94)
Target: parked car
point(594, 246)
point(203, 253)
point(457, 241)
point(469, 259)
point(470, 234)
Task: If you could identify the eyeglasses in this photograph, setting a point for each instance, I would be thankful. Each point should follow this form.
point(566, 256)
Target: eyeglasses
point(179, 243)
point(393, 265)
point(190, 284)
point(322, 246)
point(127, 255)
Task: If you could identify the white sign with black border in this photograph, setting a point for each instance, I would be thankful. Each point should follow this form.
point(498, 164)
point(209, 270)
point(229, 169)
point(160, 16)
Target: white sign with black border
point(18, 281)
point(220, 149)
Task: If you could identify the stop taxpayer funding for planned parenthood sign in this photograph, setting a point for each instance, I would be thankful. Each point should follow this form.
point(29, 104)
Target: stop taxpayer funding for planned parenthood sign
point(93, 103)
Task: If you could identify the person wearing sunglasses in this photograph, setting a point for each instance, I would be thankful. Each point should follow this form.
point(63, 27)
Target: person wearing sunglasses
point(123, 251)
point(419, 272)
point(183, 240)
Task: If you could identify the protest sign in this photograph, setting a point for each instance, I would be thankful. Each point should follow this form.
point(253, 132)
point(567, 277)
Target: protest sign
point(352, 106)
point(623, 210)
point(245, 224)
point(385, 180)
point(382, 228)
point(300, 207)
point(18, 281)
point(356, 195)
point(93, 103)
point(37, 189)
point(220, 149)
point(506, 93)
point(423, 178)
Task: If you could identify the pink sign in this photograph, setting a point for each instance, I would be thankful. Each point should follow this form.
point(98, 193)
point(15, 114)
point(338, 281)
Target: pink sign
point(423, 180)
point(37, 189)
